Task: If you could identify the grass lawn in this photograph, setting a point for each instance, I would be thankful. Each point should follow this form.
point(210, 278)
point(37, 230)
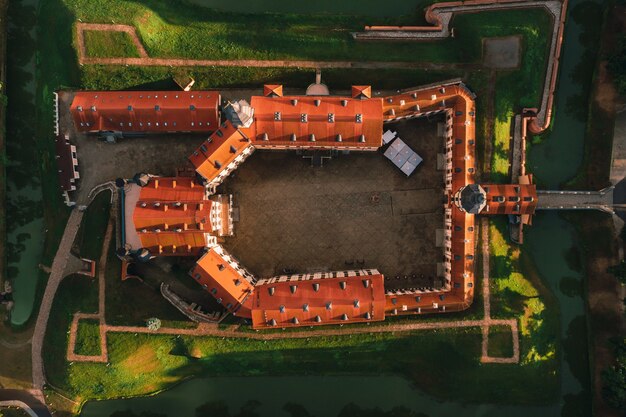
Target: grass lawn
point(516, 292)
point(146, 363)
point(88, 338)
point(13, 412)
point(500, 342)
point(93, 227)
point(179, 30)
point(76, 293)
point(103, 44)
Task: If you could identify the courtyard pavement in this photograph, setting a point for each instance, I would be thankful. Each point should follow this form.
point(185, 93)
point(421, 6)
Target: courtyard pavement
point(356, 211)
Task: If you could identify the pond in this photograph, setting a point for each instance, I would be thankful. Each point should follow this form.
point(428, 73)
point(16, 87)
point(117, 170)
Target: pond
point(557, 159)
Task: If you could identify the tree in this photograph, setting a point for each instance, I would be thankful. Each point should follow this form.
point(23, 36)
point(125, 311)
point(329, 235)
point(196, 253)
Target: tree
point(619, 271)
point(614, 378)
point(617, 65)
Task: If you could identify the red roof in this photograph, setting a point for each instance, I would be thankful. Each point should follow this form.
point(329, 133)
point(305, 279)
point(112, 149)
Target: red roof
point(307, 300)
point(215, 154)
point(510, 198)
point(317, 122)
point(146, 111)
point(220, 275)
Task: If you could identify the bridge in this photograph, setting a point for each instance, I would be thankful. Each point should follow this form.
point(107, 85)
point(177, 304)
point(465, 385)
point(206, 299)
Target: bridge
point(577, 200)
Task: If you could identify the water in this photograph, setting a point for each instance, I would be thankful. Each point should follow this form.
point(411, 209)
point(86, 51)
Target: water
point(25, 225)
point(565, 144)
point(547, 241)
point(272, 394)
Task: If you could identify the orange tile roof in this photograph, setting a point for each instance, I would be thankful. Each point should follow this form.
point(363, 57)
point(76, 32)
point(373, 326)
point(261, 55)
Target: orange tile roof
point(219, 150)
point(167, 215)
point(271, 90)
point(172, 189)
point(317, 122)
point(361, 91)
point(510, 198)
point(170, 243)
point(146, 111)
point(225, 282)
point(458, 104)
point(296, 301)
point(172, 216)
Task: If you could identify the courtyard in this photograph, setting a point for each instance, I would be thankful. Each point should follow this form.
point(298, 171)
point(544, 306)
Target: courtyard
point(356, 211)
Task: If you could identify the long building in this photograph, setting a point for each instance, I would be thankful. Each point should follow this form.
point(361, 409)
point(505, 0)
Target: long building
point(146, 111)
point(179, 216)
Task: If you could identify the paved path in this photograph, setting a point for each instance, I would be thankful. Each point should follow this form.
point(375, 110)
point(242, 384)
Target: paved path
point(56, 275)
point(576, 200)
point(25, 400)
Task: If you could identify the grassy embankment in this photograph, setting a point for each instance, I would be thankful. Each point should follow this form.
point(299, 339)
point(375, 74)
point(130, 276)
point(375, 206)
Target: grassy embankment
point(517, 292)
point(518, 89)
point(90, 236)
point(101, 44)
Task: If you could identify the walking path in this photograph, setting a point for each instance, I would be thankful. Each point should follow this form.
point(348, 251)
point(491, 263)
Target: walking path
point(56, 275)
point(576, 200)
point(31, 402)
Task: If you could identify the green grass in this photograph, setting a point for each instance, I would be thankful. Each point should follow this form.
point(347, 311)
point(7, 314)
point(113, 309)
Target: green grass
point(104, 44)
point(93, 227)
point(88, 338)
point(426, 358)
point(500, 342)
point(516, 292)
point(13, 412)
point(171, 29)
point(75, 293)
